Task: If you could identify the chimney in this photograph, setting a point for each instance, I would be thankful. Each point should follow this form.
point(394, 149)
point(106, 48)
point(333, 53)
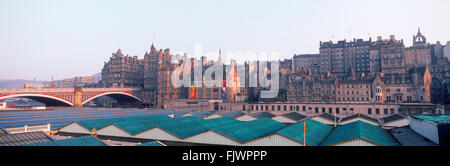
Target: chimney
point(379, 38)
point(392, 37)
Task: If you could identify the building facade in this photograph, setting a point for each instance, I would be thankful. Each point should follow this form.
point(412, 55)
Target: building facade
point(123, 71)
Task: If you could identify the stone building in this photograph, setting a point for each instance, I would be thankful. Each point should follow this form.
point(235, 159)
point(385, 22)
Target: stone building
point(309, 62)
point(158, 67)
point(387, 56)
point(419, 54)
point(338, 58)
point(123, 71)
point(385, 88)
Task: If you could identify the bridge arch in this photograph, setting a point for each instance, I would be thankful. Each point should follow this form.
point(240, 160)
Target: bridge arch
point(116, 95)
point(48, 100)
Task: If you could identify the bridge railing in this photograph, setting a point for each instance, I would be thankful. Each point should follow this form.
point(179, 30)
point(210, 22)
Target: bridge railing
point(18, 90)
point(26, 129)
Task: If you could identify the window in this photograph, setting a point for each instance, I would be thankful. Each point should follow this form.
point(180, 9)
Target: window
point(386, 111)
point(285, 107)
point(304, 108)
point(392, 111)
point(337, 110)
point(297, 108)
point(369, 111)
point(273, 108)
point(323, 110)
point(279, 108)
point(330, 110)
point(243, 107)
point(377, 111)
point(317, 110)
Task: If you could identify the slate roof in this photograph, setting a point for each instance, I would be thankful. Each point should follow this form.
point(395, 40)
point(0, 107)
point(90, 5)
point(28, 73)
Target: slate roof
point(262, 115)
point(294, 116)
point(329, 117)
point(407, 137)
point(23, 138)
point(359, 116)
point(231, 114)
point(392, 118)
point(76, 141)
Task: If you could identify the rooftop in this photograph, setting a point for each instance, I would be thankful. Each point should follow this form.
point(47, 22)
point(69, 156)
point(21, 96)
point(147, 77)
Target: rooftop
point(77, 141)
point(246, 131)
point(360, 130)
point(262, 115)
point(407, 137)
point(435, 119)
point(23, 138)
point(294, 116)
point(315, 132)
point(359, 116)
point(392, 118)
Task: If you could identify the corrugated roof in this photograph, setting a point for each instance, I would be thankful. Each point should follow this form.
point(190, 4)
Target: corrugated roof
point(262, 115)
point(360, 130)
point(249, 130)
point(23, 138)
point(180, 126)
point(99, 123)
point(315, 132)
point(77, 141)
point(151, 143)
point(435, 119)
point(294, 116)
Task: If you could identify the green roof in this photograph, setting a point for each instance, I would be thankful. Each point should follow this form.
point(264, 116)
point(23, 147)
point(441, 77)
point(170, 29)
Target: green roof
point(99, 123)
point(77, 141)
point(435, 119)
point(151, 143)
point(315, 132)
point(180, 126)
point(246, 131)
point(361, 130)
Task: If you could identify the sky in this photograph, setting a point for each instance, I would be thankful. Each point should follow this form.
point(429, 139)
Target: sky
point(62, 39)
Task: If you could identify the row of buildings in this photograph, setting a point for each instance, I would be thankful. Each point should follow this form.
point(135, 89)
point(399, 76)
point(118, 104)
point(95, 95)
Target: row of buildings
point(358, 71)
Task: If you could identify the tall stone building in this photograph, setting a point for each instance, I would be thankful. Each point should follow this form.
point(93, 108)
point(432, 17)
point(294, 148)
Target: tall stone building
point(419, 54)
point(337, 58)
point(123, 71)
point(387, 56)
point(158, 68)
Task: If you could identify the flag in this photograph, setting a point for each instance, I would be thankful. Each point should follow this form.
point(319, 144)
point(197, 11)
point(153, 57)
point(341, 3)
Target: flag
point(304, 127)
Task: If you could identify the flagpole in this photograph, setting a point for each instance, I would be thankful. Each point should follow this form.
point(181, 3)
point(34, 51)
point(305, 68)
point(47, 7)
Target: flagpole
point(334, 118)
point(304, 133)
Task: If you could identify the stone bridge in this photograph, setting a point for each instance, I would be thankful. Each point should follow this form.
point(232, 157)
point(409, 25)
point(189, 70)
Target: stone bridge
point(73, 97)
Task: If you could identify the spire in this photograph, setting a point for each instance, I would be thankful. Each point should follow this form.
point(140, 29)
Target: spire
point(220, 56)
point(119, 52)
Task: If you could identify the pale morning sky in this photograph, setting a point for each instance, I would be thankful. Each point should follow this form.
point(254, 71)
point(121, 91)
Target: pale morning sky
point(45, 38)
